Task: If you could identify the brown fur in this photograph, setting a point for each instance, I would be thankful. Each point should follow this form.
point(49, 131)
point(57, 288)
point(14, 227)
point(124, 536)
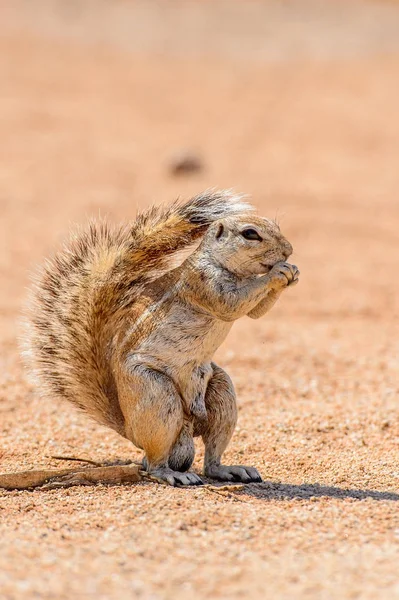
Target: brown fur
point(117, 331)
point(83, 294)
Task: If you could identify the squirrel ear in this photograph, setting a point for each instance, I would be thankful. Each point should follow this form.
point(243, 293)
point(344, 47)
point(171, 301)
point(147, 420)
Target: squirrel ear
point(220, 231)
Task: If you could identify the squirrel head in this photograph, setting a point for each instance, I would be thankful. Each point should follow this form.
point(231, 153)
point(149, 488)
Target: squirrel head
point(246, 245)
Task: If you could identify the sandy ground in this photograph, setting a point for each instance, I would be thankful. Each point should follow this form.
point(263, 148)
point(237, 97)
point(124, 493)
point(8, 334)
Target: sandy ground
point(297, 105)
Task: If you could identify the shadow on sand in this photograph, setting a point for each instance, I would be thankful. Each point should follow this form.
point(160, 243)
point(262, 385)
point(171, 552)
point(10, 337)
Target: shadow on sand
point(285, 491)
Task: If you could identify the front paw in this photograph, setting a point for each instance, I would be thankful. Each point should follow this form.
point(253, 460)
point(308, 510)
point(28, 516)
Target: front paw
point(234, 473)
point(283, 274)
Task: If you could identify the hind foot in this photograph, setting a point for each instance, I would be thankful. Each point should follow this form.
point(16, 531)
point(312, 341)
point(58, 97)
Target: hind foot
point(175, 478)
point(234, 473)
point(172, 477)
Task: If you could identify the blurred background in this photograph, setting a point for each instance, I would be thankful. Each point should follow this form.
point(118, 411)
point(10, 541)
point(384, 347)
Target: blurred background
point(104, 105)
point(108, 106)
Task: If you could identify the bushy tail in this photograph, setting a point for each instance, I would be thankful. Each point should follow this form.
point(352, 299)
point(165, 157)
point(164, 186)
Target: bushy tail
point(95, 278)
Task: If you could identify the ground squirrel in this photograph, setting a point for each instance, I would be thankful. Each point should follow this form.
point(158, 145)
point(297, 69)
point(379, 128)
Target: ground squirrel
point(118, 330)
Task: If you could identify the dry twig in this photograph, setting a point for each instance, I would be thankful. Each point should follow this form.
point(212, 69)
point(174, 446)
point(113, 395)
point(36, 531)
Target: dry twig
point(50, 478)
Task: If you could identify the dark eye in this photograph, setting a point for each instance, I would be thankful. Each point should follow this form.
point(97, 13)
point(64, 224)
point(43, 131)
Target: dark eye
point(251, 234)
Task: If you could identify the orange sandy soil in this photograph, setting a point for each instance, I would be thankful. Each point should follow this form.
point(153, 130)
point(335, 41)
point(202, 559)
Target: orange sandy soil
point(296, 104)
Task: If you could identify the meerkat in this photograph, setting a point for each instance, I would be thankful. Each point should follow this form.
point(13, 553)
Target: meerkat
point(118, 330)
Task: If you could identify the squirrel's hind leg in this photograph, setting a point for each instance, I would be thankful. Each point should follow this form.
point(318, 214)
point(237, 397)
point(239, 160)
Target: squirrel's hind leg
point(217, 430)
point(153, 414)
point(182, 454)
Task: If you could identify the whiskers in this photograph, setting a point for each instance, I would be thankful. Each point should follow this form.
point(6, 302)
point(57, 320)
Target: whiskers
point(278, 218)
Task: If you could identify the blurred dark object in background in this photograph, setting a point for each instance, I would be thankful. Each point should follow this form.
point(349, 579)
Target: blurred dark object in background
point(185, 162)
